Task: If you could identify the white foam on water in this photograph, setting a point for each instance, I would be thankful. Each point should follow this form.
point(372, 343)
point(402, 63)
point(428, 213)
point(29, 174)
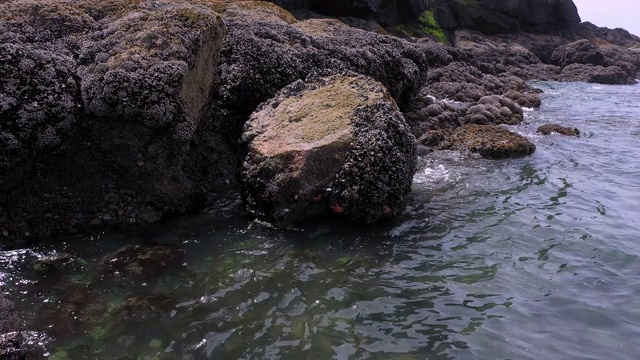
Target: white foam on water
point(432, 174)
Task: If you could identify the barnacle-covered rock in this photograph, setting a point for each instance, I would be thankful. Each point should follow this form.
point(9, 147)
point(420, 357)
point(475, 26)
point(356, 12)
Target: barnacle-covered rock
point(549, 129)
point(488, 141)
point(336, 144)
point(99, 103)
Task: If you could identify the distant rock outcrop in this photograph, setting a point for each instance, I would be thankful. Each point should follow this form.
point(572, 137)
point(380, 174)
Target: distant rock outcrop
point(488, 16)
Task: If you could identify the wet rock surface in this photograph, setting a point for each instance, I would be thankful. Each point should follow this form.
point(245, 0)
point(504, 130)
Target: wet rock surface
point(488, 141)
point(333, 144)
point(549, 129)
point(53, 262)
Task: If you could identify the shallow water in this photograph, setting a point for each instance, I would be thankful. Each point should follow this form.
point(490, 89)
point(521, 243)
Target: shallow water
point(535, 258)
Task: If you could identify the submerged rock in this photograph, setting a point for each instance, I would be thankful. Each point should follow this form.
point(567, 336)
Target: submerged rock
point(336, 144)
point(139, 309)
point(142, 261)
point(53, 262)
point(548, 129)
point(488, 141)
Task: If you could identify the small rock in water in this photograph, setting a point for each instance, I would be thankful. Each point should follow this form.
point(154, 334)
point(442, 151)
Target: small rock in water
point(489, 141)
point(422, 150)
point(53, 262)
point(555, 128)
point(142, 260)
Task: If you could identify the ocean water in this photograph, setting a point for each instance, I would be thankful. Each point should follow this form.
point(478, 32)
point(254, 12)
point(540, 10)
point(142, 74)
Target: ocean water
point(534, 258)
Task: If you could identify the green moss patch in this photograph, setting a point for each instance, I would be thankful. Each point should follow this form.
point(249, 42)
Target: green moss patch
point(430, 26)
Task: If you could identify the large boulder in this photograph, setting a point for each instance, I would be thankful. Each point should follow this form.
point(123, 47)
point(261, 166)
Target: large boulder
point(337, 144)
point(99, 103)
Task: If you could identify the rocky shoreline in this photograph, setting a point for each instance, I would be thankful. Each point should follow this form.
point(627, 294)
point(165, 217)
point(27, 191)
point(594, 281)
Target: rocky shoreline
point(117, 112)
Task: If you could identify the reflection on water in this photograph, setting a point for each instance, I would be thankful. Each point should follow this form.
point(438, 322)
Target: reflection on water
point(535, 258)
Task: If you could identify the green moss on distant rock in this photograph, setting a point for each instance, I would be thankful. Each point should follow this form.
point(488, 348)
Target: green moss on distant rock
point(430, 26)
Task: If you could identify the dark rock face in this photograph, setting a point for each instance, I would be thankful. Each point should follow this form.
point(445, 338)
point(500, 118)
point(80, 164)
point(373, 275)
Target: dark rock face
point(385, 12)
point(98, 107)
point(611, 75)
point(606, 65)
point(559, 56)
point(264, 54)
point(548, 129)
point(333, 144)
point(40, 125)
point(488, 16)
point(578, 52)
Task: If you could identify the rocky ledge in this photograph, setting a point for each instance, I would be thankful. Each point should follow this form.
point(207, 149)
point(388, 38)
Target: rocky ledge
point(124, 112)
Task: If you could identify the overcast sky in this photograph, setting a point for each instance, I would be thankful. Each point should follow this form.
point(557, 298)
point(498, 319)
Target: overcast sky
point(611, 13)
